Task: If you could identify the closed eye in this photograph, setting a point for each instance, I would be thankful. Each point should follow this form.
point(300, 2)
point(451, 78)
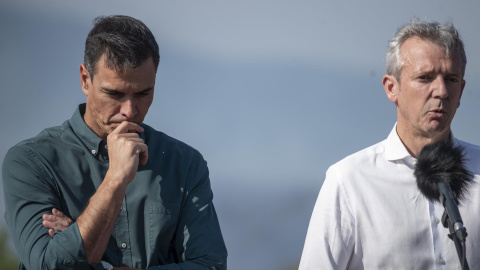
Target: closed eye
point(112, 93)
point(145, 92)
point(425, 78)
point(452, 79)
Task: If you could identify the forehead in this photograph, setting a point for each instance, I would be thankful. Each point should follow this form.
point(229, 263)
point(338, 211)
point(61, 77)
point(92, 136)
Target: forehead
point(142, 76)
point(421, 54)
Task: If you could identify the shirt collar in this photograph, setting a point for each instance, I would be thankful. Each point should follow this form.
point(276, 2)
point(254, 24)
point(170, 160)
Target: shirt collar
point(396, 150)
point(89, 138)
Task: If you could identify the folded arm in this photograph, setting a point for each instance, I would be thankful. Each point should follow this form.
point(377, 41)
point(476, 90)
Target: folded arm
point(31, 191)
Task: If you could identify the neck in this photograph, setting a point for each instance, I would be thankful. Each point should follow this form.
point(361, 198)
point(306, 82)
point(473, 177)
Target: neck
point(92, 125)
point(415, 141)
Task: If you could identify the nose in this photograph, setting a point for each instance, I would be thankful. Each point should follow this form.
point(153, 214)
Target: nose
point(439, 88)
point(129, 109)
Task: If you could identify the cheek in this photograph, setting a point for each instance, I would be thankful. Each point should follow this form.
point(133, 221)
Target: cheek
point(144, 106)
point(413, 107)
point(106, 109)
point(457, 98)
point(418, 101)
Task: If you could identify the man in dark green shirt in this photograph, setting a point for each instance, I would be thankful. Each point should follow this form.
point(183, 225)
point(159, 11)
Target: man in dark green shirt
point(134, 196)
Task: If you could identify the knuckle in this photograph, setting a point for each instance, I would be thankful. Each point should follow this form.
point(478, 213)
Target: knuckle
point(113, 136)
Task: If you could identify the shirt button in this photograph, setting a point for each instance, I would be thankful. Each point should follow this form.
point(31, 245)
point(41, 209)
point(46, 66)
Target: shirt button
point(124, 245)
point(94, 151)
point(437, 220)
point(442, 261)
point(106, 146)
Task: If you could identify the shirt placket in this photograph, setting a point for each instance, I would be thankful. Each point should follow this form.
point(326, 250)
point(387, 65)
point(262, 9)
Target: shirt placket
point(121, 229)
point(122, 234)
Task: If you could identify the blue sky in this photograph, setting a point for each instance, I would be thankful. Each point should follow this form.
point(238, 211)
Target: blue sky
point(270, 92)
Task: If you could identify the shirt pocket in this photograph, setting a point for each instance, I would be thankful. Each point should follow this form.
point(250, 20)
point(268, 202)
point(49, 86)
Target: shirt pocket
point(162, 219)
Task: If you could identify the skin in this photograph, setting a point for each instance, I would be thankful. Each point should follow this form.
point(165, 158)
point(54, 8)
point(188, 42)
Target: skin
point(113, 98)
point(57, 221)
point(427, 95)
point(116, 104)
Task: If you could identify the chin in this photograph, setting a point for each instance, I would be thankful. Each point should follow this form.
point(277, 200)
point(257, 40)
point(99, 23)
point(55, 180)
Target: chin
point(438, 128)
point(110, 128)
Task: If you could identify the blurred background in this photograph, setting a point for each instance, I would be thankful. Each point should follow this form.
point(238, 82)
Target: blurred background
point(270, 92)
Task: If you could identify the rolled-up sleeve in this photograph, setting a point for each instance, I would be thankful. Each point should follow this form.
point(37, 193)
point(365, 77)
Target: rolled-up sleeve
point(29, 192)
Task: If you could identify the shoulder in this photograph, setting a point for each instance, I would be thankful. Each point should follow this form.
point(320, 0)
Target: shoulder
point(29, 156)
point(357, 168)
point(470, 148)
point(47, 139)
point(472, 155)
point(365, 157)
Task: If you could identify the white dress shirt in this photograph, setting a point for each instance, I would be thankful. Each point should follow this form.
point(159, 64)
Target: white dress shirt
point(370, 215)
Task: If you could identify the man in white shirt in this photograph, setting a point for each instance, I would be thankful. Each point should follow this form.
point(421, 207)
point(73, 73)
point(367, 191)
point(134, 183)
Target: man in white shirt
point(370, 213)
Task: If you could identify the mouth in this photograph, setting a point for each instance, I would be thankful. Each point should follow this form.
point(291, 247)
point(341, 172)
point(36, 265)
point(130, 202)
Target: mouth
point(438, 113)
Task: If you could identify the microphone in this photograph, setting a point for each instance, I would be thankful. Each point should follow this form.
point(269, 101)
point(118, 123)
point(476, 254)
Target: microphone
point(442, 163)
point(442, 177)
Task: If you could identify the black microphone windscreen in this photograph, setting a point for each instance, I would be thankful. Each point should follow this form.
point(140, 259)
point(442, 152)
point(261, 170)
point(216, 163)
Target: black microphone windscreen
point(442, 161)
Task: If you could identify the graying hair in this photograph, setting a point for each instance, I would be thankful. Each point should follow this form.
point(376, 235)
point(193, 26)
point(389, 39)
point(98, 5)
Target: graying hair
point(445, 36)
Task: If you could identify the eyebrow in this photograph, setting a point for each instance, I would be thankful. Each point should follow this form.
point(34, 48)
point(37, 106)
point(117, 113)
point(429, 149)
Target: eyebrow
point(113, 91)
point(108, 90)
point(453, 75)
point(146, 90)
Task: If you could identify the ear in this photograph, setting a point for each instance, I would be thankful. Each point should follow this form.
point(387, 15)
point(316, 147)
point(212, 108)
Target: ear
point(392, 87)
point(461, 92)
point(85, 80)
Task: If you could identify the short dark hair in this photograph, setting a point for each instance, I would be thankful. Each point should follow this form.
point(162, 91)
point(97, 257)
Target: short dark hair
point(125, 41)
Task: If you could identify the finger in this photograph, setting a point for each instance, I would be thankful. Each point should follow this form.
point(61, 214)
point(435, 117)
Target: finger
point(51, 232)
point(47, 224)
point(134, 137)
point(127, 127)
point(58, 213)
point(125, 137)
point(67, 222)
point(143, 154)
point(50, 225)
point(48, 217)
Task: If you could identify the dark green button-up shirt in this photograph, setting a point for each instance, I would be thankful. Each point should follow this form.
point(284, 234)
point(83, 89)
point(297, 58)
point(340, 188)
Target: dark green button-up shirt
point(167, 220)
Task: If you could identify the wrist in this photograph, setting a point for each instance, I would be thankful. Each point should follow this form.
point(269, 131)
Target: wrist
point(115, 181)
